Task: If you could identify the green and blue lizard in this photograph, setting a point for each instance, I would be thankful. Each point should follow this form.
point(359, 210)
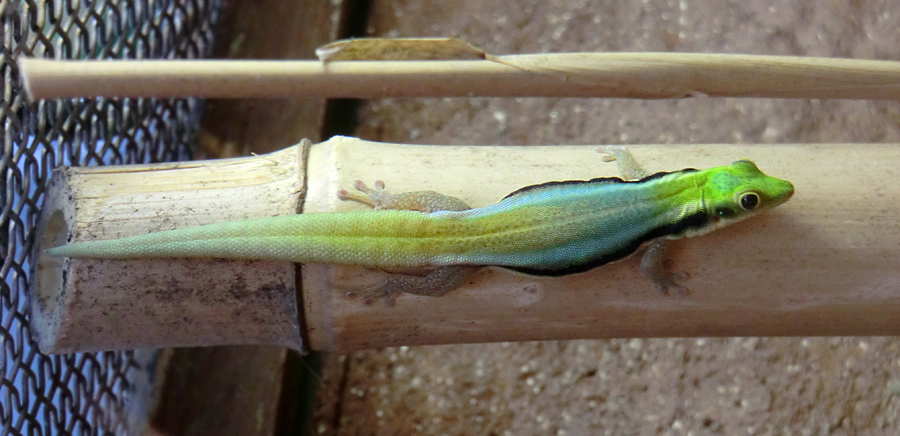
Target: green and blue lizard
point(549, 229)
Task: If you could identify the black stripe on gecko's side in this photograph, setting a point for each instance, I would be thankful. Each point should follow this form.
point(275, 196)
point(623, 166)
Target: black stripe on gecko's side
point(693, 221)
point(596, 180)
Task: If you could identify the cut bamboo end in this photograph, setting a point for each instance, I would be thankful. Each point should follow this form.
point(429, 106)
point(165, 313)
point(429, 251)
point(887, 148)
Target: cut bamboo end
point(93, 305)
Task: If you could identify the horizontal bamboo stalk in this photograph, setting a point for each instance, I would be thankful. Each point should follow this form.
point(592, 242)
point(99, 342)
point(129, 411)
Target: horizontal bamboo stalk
point(92, 304)
point(825, 263)
point(622, 75)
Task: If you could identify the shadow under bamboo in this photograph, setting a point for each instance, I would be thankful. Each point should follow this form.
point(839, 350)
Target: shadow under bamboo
point(618, 75)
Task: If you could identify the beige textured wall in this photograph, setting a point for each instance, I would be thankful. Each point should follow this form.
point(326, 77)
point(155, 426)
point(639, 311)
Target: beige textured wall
point(666, 386)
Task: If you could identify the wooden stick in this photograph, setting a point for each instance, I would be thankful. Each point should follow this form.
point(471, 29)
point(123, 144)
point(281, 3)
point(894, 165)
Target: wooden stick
point(825, 263)
point(624, 75)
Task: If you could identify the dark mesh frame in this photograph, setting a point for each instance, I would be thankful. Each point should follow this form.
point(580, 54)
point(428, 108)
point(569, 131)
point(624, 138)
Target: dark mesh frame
point(80, 393)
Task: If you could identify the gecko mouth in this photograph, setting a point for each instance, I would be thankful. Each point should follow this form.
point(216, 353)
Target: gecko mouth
point(713, 222)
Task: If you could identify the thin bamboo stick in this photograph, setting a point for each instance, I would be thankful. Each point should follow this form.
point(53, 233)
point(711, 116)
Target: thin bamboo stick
point(621, 75)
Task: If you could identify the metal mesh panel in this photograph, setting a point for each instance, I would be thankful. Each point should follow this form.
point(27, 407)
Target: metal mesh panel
point(82, 393)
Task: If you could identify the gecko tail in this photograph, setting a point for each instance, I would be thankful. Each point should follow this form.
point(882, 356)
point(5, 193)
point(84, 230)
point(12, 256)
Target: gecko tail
point(357, 238)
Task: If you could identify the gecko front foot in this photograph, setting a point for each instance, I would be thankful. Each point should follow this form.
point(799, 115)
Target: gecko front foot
point(669, 281)
point(652, 265)
point(625, 162)
point(610, 153)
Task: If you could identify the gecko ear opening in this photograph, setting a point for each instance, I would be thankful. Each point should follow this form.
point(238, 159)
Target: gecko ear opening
point(724, 212)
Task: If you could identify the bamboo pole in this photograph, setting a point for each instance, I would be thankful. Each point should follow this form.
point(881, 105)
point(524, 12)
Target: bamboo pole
point(825, 263)
point(91, 305)
point(620, 75)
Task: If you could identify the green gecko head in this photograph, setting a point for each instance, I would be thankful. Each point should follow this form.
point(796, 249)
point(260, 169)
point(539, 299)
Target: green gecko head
point(738, 191)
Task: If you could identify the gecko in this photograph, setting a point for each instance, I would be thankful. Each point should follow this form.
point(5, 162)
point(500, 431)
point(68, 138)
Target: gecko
point(555, 228)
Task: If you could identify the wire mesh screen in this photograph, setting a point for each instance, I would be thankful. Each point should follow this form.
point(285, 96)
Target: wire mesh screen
point(81, 393)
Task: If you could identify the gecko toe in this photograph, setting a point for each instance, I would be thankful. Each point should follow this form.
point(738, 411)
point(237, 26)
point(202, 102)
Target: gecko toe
point(670, 281)
point(371, 294)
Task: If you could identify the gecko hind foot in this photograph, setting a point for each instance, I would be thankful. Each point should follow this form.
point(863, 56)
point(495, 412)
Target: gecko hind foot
point(422, 201)
point(435, 283)
point(374, 197)
point(374, 293)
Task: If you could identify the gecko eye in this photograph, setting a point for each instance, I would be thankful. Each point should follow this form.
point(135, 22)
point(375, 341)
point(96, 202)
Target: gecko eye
point(749, 201)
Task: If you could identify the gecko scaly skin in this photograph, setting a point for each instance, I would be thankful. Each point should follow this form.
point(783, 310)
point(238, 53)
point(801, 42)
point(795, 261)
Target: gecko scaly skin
point(550, 229)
